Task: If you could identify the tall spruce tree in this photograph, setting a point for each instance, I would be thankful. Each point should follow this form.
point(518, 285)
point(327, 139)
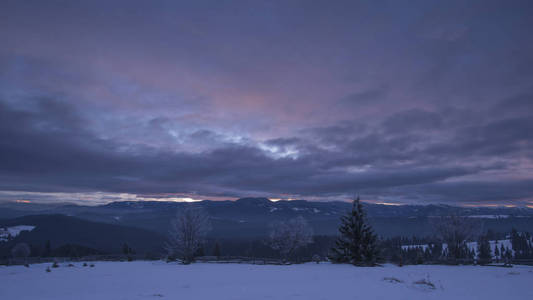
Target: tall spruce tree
point(47, 249)
point(484, 253)
point(216, 250)
point(497, 253)
point(357, 242)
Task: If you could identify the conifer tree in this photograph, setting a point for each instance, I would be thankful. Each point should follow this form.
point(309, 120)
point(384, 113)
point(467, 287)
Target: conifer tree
point(436, 251)
point(47, 249)
point(199, 252)
point(508, 254)
point(483, 251)
point(497, 252)
point(216, 251)
point(357, 242)
point(126, 249)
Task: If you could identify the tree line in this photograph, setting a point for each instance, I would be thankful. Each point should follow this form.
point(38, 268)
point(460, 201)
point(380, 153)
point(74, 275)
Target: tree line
point(356, 244)
point(293, 241)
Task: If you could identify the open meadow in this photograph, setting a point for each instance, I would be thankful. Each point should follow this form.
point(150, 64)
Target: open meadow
point(160, 280)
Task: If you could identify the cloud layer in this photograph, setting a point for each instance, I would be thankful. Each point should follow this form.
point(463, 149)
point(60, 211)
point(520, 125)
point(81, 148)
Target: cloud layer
point(426, 103)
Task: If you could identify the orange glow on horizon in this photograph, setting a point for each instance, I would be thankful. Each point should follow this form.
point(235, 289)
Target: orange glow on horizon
point(23, 201)
point(490, 205)
point(279, 199)
point(389, 203)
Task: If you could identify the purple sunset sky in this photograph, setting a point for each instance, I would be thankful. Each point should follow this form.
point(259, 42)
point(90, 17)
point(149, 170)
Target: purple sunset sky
point(411, 102)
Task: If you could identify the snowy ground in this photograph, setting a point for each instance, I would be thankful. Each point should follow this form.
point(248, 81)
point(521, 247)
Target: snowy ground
point(158, 280)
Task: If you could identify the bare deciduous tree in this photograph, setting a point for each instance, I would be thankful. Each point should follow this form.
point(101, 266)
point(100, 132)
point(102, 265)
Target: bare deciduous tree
point(286, 237)
point(187, 233)
point(21, 250)
point(455, 231)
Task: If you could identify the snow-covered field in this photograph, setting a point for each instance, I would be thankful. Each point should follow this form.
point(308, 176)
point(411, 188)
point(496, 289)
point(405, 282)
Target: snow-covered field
point(158, 280)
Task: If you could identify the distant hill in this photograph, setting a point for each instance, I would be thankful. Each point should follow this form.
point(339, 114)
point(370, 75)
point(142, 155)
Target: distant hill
point(63, 230)
point(250, 217)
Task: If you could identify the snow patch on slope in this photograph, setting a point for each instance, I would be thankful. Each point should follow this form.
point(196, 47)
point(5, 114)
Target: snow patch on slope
point(13, 231)
point(471, 245)
point(489, 216)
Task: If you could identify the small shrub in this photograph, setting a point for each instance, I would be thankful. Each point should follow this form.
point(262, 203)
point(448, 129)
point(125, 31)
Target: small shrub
point(151, 256)
point(425, 282)
point(392, 280)
point(400, 264)
point(170, 259)
point(316, 258)
point(85, 264)
point(48, 270)
point(27, 265)
point(70, 265)
point(91, 265)
point(55, 265)
point(21, 250)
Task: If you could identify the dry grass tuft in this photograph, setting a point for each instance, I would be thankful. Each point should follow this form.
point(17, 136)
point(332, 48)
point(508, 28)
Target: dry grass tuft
point(392, 280)
point(425, 282)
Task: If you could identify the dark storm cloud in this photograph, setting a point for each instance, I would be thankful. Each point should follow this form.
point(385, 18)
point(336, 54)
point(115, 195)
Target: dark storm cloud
point(364, 98)
point(44, 149)
point(493, 192)
point(413, 120)
point(426, 102)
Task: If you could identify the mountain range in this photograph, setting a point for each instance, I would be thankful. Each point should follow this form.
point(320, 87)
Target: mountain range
point(145, 224)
